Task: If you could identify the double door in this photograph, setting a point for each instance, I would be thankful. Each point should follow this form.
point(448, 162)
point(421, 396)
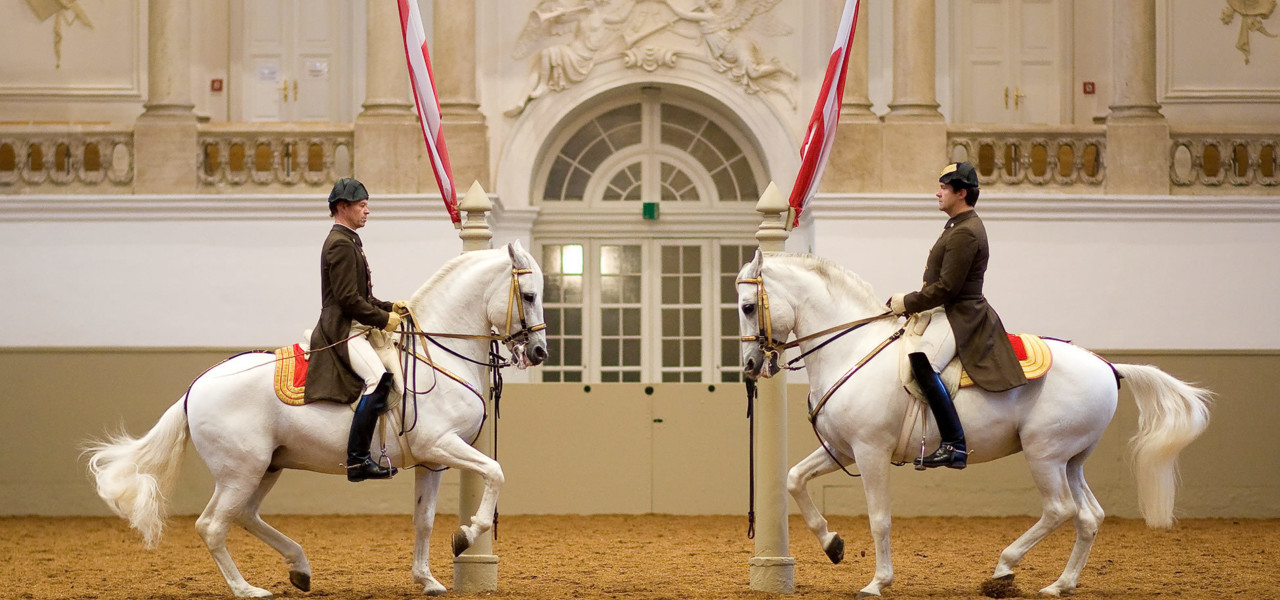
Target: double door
point(1013, 61)
point(293, 60)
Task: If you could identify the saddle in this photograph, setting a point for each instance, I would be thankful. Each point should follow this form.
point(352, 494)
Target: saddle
point(1033, 354)
point(291, 369)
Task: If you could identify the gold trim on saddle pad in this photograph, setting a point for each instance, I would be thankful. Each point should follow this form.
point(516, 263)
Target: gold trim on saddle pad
point(290, 379)
point(1034, 366)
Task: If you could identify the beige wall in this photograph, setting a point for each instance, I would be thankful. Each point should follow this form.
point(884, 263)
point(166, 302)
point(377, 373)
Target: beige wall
point(617, 449)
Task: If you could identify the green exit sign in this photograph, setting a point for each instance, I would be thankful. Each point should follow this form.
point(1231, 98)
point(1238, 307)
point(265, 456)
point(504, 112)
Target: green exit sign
point(651, 211)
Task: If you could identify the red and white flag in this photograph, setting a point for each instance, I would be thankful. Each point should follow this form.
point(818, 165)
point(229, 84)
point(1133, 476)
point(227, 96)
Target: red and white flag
point(424, 94)
point(826, 114)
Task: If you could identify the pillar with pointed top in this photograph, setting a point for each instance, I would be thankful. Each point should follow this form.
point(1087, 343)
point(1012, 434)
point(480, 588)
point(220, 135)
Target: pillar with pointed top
point(476, 569)
point(772, 567)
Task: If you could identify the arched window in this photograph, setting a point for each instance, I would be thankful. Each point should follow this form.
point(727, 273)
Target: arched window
point(647, 214)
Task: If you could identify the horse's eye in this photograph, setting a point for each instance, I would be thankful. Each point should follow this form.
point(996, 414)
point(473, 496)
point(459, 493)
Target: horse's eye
point(747, 309)
point(529, 297)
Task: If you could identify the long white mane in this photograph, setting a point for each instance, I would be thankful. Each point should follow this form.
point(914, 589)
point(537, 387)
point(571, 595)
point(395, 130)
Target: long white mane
point(840, 281)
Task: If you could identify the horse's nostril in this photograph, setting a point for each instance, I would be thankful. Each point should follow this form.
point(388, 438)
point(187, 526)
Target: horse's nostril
point(539, 354)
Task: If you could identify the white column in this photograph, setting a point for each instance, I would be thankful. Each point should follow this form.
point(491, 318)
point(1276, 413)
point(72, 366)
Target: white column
point(914, 136)
point(476, 570)
point(454, 60)
point(388, 141)
point(1137, 154)
point(914, 90)
point(857, 101)
point(166, 155)
point(772, 567)
point(1133, 48)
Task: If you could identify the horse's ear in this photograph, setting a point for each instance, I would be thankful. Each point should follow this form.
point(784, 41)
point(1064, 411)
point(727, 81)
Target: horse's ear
point(756, 263)
point(516, 253)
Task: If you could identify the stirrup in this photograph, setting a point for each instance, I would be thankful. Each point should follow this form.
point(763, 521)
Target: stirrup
point(947, 455)
point(367, 469)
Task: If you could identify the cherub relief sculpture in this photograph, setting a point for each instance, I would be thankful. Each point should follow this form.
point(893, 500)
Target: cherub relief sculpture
point(722, 27)
point(569, 37)
point(566, 40)
point(1252, 12)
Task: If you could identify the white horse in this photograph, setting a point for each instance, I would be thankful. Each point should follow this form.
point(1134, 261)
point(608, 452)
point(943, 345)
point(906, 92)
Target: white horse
point(1055, 421)
point(247, 437)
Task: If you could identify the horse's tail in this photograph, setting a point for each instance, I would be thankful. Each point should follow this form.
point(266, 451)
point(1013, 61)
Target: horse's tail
point(1171, 414)
point(133, 475)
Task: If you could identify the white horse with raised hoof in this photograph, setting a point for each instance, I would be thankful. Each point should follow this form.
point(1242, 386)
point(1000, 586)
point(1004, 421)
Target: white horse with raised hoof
point(1055, 421)
point(248, 437)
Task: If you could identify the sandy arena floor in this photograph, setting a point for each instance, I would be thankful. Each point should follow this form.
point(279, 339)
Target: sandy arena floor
point(624, 556)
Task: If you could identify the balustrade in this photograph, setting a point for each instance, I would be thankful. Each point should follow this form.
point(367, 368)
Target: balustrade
point(289, 154)
point(1040, 156)
point(1216, 159)
point(65, 155)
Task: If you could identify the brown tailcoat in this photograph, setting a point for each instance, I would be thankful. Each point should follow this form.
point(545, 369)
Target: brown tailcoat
point(953, 279)
point(346, 295)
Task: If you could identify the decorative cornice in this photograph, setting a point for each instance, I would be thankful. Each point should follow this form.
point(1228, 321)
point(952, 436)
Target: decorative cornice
point(1055, 207)
point(205, 207)
point(671, 223)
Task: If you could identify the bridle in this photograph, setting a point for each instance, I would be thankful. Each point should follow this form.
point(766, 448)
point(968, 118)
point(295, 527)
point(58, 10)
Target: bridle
point(772, 348)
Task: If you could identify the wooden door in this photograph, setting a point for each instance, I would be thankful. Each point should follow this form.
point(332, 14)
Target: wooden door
point(293, 57)
point(1013, 61)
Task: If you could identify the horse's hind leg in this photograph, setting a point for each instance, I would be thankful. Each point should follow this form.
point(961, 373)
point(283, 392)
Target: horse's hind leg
point(818, 463)
point(426, 489)
point(1056, 507)
point(1089, 517)
point(299, 568)
point(230, 496)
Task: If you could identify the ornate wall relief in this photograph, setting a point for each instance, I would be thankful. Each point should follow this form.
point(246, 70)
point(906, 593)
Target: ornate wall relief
point(566, 39)
point(63, 12)
point(1252, 12)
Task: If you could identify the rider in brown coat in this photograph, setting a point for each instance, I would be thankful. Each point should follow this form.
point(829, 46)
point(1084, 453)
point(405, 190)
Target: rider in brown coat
point(953, 280)
point(343, 365)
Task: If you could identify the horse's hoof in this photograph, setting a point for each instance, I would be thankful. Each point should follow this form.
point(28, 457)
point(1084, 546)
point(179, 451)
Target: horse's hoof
point(867, 595)
point(300, 580)
point(437, 590)
point(835, 550)
point(460, 543)
point(1000, 587)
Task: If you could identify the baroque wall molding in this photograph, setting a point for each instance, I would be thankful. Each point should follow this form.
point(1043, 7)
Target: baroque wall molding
point(1055, 207)
point(1173, 90)
point(204, 207)
point(81, 91)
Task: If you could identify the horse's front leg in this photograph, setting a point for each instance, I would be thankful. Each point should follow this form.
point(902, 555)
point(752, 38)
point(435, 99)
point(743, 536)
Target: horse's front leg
point(818, 463)
point(426, 488)
point(873, 464)
point(452, 451)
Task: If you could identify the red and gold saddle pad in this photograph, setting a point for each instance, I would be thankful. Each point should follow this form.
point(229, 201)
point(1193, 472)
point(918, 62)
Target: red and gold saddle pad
point(1033, 354)
point(291, 374)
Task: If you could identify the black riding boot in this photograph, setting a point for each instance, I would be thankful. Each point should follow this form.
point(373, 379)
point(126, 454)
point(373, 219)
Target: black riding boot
point(952, 451)
point(359, 465)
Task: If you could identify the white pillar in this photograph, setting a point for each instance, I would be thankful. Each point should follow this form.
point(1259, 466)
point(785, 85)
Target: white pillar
point(476, 570)
point(772, 567)
point(914, 91)
point(1137, 155)
point(914, 139)
point(388, 142)
point(166, 156)
point(454, 59)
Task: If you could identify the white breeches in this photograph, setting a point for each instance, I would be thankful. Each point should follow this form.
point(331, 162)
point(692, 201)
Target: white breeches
point(364, 361)
point(937, 341)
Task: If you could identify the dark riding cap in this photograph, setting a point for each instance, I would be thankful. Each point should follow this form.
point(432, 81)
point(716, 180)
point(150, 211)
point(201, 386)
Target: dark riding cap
point(347, 189)
point(959, 175)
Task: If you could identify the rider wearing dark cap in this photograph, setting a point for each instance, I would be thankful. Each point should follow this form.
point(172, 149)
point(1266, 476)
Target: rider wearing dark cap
point(348, 369)
point(953, 280)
